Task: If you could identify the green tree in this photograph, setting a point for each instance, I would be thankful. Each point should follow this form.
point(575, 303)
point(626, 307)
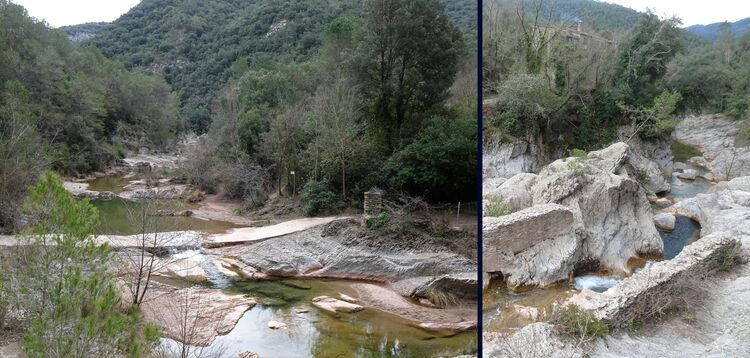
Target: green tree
point(407, 56)
point(72, 306)
point(644, 57)
point(22, 154)
point(340, 131)
point(440, 164)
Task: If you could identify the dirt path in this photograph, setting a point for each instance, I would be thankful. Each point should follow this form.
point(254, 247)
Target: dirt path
point(213, 207)
point(434, 319)
point(249, 234)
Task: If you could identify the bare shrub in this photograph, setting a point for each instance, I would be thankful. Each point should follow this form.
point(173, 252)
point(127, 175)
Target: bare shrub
point(580, 325)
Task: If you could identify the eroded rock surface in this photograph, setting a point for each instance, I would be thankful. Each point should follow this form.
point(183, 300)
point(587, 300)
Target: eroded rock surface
point(535, 246)
point(715, 136)
point(504, 160)
point(209, 311)
point(352, 253)
point(335, 305)
point(535, 340)
point(583, 210)
point(432, 319)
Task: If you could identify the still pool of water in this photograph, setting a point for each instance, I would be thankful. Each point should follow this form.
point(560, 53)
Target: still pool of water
point(315, 333)
point(685, 232)
point(116, 218)
point(113, 183)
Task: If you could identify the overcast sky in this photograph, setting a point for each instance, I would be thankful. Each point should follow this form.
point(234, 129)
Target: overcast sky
point(70, 12)
point(693, 12)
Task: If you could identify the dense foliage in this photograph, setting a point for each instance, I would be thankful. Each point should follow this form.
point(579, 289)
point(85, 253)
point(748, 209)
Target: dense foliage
point(58, 288)
point(68, 107)
point(389, 104)
point(568, 85)
point(194, 44)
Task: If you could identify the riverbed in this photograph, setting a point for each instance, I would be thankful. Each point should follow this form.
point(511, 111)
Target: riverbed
point(310, 331)
point(505, 311)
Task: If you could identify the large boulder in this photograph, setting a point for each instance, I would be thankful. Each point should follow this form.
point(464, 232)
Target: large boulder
point(534, 246)
point(665, 221)
point(608, 203)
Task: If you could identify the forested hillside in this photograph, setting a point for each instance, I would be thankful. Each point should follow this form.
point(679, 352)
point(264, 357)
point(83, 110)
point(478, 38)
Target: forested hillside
point(382, 103)
point(68, 108)
point(194, 43)
point(571, 86)
point(593, 14)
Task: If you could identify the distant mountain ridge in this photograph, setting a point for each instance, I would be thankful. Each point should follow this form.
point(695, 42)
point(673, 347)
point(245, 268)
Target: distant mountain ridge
point(711, 30)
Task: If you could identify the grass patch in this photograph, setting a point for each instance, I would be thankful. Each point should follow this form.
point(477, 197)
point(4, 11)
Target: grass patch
point(578, 153)
point(496, 206)
point(582, 325)
point(642, 177)
point(727, 258)
point(378, 221)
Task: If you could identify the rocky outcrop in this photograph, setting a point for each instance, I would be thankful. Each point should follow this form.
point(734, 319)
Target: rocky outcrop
point(725, 208)
point(687, 174)
point(459, 285)
point(515, 191)
point(635, 296)
point(648, 172)
point(656, 150)
point(504, 160)
point(160, 190)
point(80, 191)
point(209, 311)
point(715, 136)
point(607, 202)
point(354, 253)
point(720, 327)
point(599, 213)
point(449, 321)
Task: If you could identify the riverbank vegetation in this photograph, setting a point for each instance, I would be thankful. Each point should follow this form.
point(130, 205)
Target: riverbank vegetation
point(570, 82)
point(55, 289)
point(68, 108)
point(388, 104)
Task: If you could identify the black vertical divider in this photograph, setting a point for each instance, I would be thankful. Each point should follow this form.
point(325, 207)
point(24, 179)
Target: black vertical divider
point(479, 179)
